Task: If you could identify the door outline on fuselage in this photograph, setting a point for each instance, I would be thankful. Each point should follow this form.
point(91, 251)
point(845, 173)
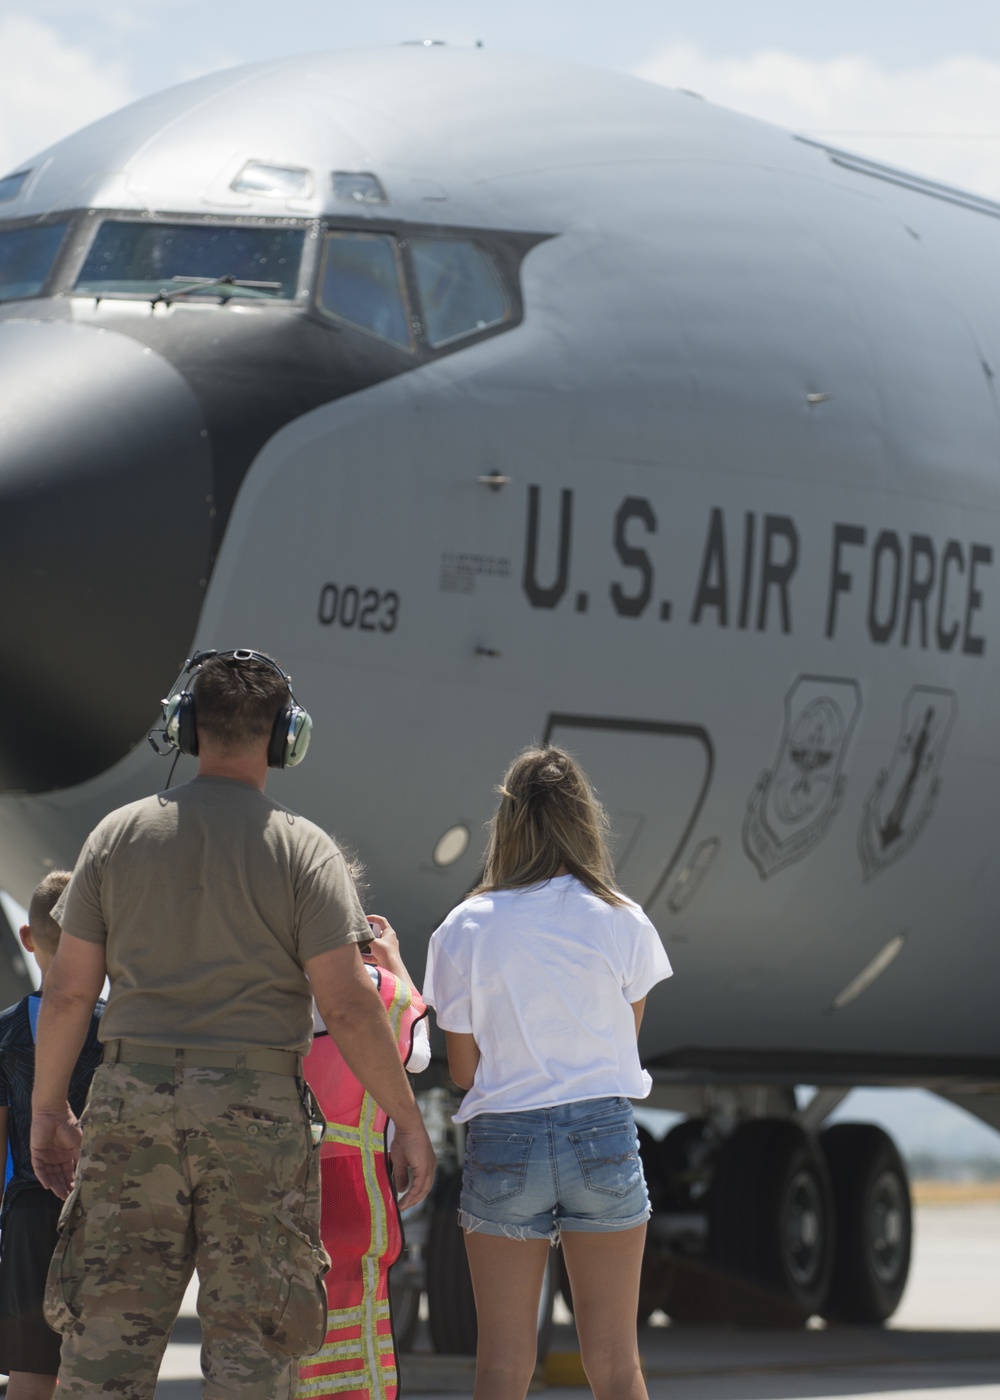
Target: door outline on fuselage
point(661, 728)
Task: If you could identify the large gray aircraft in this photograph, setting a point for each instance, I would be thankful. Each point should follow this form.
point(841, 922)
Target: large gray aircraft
point(507, 401)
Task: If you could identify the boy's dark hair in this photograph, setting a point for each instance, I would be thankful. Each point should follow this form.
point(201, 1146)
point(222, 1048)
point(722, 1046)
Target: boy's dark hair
point(44, 929)
point(235, 701)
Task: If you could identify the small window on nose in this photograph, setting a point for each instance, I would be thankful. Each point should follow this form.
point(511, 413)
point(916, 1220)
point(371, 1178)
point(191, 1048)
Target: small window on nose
point(276, 181)
point(359, 186)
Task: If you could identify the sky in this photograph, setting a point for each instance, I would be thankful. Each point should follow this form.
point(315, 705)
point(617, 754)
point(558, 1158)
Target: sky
point(911, 82)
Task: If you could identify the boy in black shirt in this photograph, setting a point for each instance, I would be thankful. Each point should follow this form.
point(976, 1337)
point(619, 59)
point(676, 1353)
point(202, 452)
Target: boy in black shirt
point(29, 1348)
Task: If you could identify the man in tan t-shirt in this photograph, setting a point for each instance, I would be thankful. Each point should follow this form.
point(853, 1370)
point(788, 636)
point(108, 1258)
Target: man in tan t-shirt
point(217, 915)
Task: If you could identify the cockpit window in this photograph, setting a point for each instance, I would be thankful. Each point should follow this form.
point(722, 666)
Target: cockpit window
point(232, 260)
point(460, 292)
point(26, 258)
point(361, 282)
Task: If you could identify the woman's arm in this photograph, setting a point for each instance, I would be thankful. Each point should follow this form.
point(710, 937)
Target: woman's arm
point(463, 1057)
point(384, 951)
point(638, 1007)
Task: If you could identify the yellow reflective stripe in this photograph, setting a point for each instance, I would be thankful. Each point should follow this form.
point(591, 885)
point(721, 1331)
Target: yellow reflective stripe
point(350, 1350)
point(374, 1379)
point(340, 1132)
point(379, 1240)
point(351, 1317)
point(371, 1259)
point(333, 1385)
point(341, 1318)
point(349, 1137)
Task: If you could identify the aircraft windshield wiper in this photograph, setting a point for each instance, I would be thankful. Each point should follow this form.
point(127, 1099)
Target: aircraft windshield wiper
point(219, 285)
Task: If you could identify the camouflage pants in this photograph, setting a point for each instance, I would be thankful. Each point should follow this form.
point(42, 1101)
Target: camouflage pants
point(188, 1169)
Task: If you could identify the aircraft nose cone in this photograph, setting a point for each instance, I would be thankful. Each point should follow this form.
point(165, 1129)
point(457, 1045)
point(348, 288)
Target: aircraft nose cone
point(105, 501)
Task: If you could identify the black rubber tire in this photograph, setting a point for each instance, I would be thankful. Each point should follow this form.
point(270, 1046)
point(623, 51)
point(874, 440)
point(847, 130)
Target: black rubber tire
point(686, 1289)
point(451, 1304)
point(562, 1279)
point(451, 1307)
point(771, 1224)
point(404, 1300)
point(550, 1286)
point(651, 1278)
point(676, 1181)
point(695, 1291)
point(871, 1196)
point(648, 1154)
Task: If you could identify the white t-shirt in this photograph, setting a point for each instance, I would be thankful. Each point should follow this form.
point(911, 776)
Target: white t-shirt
point(544, 978)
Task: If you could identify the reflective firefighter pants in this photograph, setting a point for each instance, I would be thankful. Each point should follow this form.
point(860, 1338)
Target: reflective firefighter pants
point(187, 1169)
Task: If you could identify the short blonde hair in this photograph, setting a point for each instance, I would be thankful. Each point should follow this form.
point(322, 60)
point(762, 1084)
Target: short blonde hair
point(548, 816)
point(44, 929)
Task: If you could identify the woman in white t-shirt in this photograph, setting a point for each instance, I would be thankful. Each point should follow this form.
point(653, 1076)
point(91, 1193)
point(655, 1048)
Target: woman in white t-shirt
point(539, 981)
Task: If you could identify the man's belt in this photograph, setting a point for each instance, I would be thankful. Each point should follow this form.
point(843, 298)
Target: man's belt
point(191, 1057)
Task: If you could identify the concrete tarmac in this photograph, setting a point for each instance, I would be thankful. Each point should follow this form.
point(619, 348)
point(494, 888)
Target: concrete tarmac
point(943, 1344)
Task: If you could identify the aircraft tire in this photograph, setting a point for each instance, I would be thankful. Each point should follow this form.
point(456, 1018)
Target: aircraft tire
point(451, 1305)
point(687, 1290)
point(871, 1195)
point(673, 1167)
point(404, 1296)
point(771, 1224)
point(655, 1268)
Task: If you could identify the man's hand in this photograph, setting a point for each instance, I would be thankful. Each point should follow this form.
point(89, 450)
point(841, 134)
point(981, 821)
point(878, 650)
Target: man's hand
point(413, 1163)
point(55, 1148)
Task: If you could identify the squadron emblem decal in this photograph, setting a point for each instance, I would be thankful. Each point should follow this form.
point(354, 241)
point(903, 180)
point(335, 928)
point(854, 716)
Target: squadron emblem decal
point(902, 797)
point(793, 804)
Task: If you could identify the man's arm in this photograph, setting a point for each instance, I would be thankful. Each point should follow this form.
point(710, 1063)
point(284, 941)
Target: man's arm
point(69, 995)
point(353, 1013)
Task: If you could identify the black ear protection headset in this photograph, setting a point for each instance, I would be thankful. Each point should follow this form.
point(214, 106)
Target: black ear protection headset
point(292, 725)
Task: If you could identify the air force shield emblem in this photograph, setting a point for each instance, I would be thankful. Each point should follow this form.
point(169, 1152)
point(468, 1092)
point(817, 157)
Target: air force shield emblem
point(902, 797)
point(793, 804)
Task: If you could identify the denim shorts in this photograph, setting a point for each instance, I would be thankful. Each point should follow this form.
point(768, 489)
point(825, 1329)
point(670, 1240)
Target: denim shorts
point(531, 1175)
